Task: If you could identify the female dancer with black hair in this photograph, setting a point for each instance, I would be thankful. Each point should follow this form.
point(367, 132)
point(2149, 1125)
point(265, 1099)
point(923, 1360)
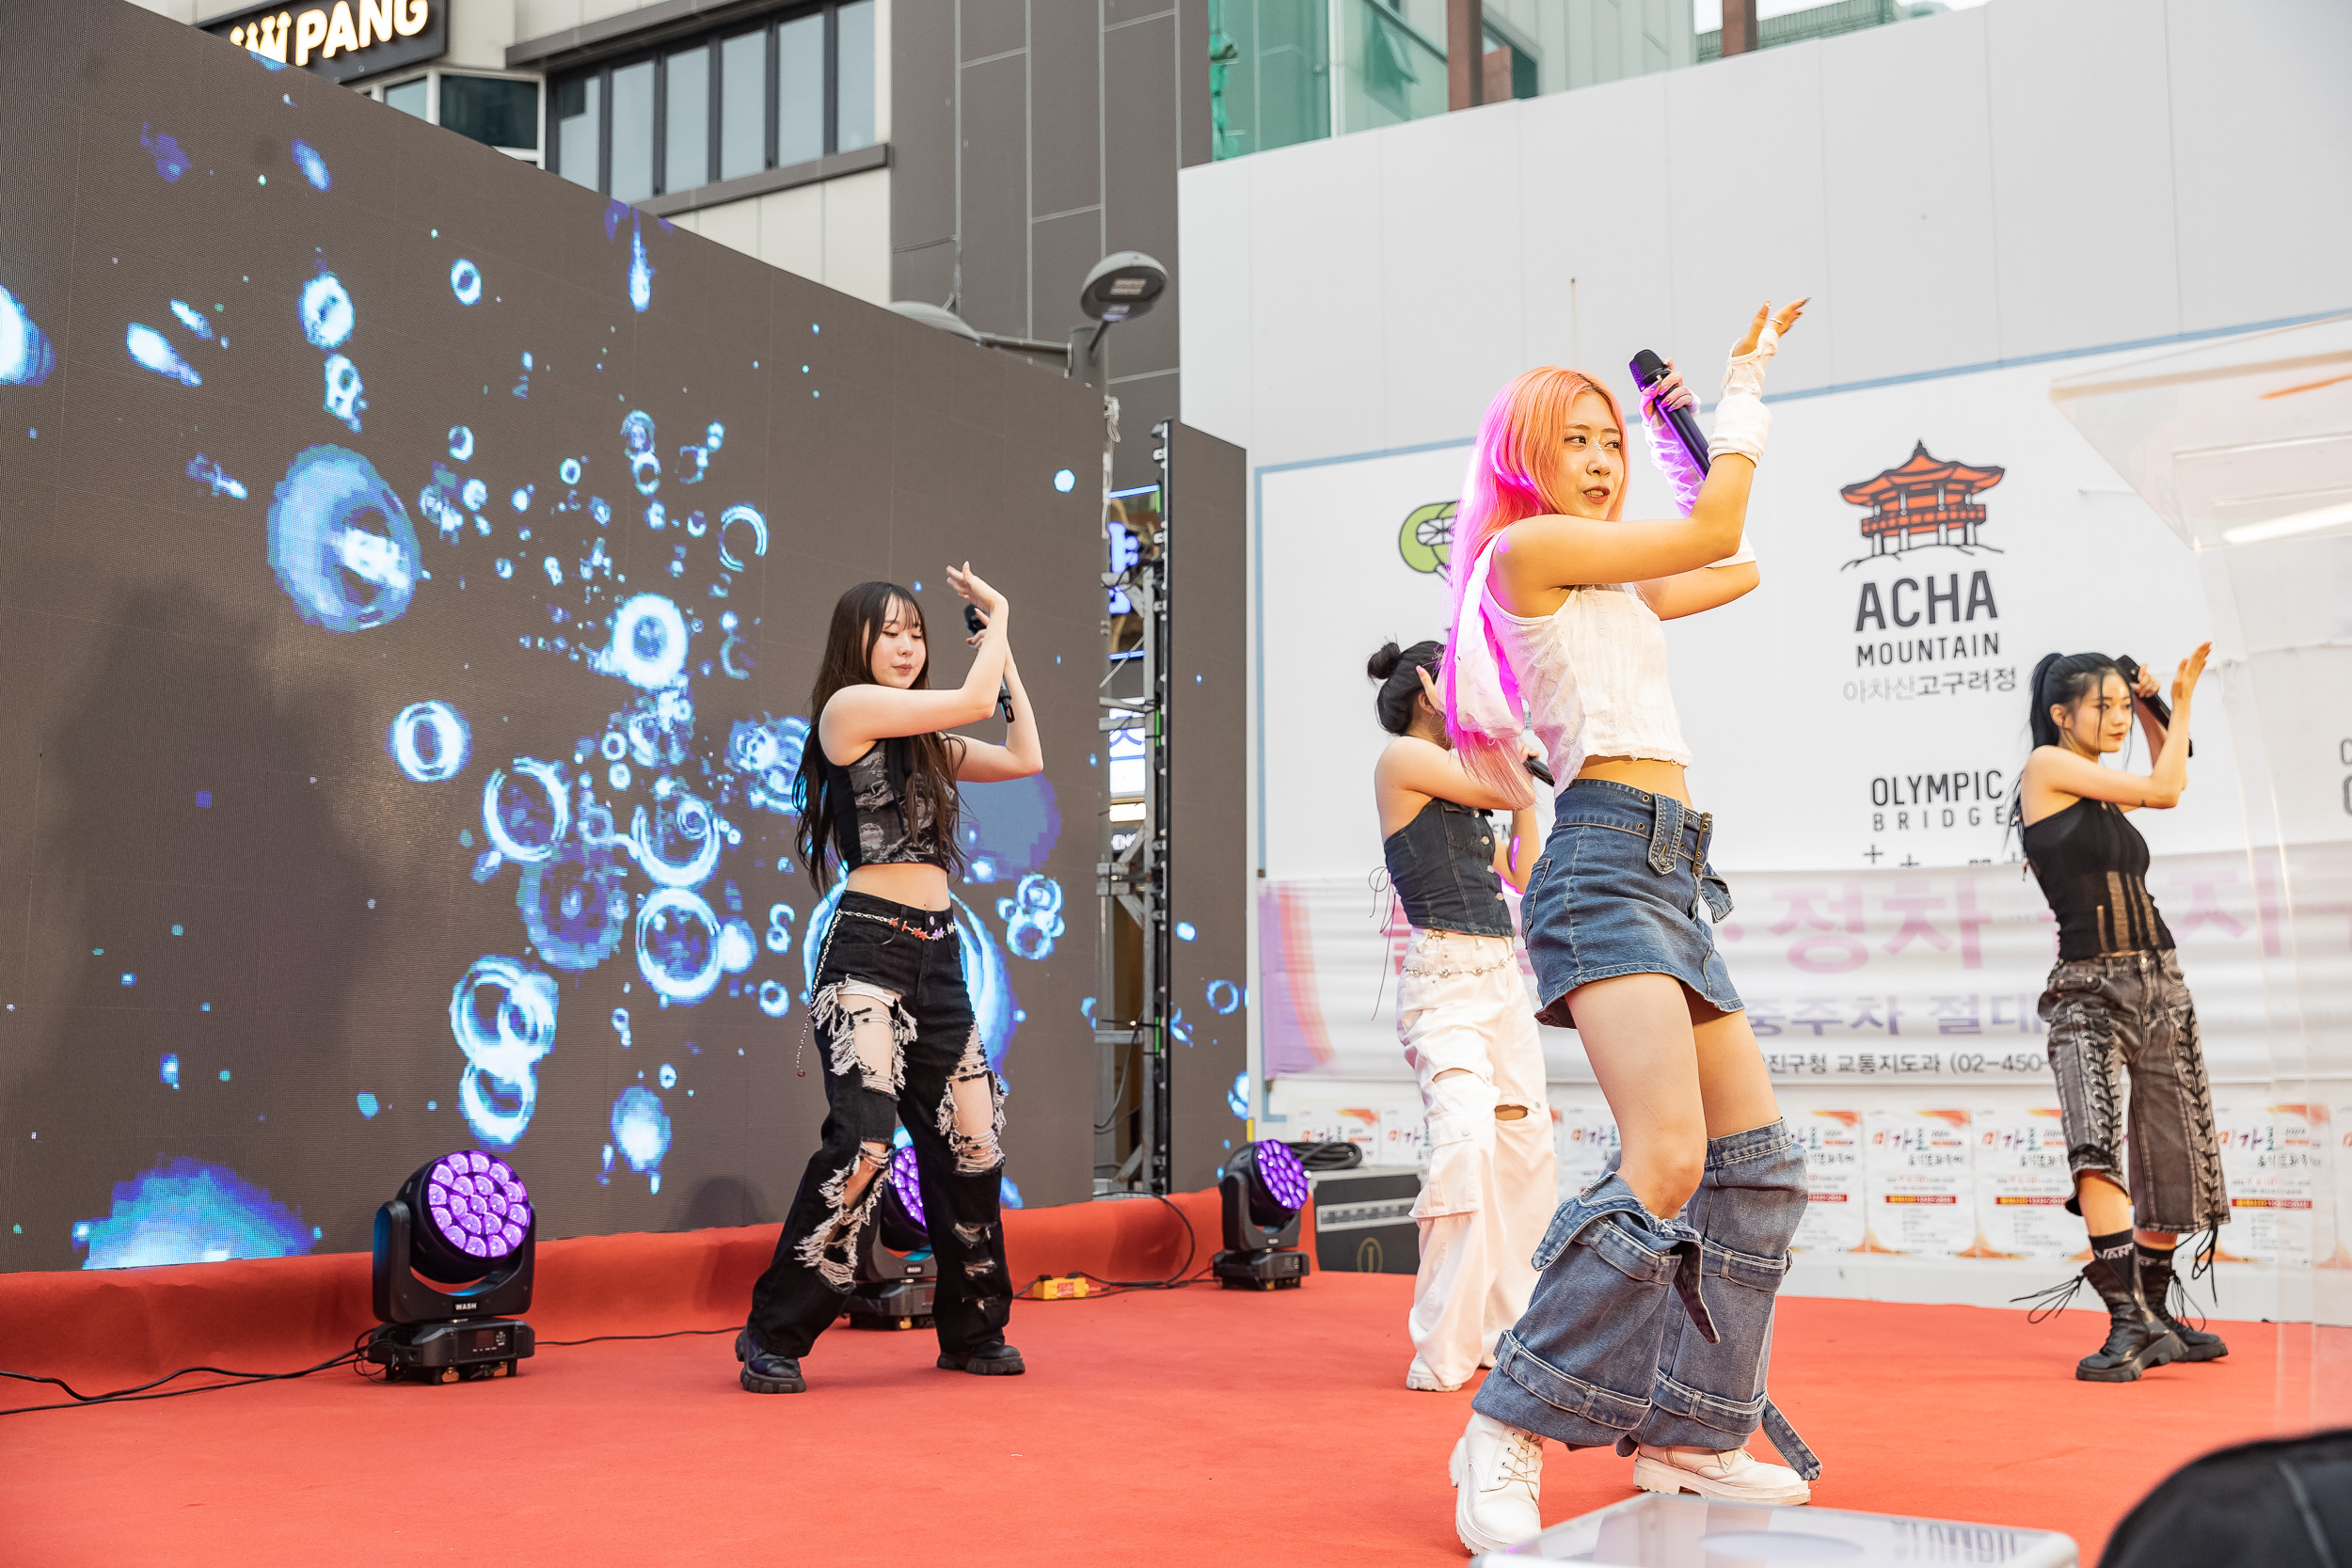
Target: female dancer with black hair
point(2116, 1004)
point(1461, 1015)
point(1651, 1320)
point(877, 791)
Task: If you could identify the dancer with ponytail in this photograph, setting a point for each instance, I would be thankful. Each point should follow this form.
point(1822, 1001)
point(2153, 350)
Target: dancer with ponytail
point(897, 1038)
point(2116, 1004)
point(1651, 1318)
point(1461, 1015)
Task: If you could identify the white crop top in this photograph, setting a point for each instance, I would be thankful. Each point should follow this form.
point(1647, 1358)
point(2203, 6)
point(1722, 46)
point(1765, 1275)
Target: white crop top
point(1592, 673)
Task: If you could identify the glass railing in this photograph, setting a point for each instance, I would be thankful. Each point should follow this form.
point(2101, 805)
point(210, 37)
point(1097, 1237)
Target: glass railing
point(1283, 72)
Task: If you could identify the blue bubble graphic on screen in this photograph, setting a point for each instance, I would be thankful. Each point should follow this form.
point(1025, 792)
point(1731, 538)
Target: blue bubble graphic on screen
point(465, 281)
point(649, 642)
point(525, 811)
point(369, 1106)
point(641, 272)
point(641, 1130)
point(328, 315)
point(460, 443)
point(214, 477)
point(750, 519)
point(340, 542)
point(313, 166)
point(1224, 996)
point(170, 1072)
point(1015, 823)
point(151, 350)
point(430, 741)
point(1065, 480)
point(193, 319)
point(502, 1016)
point(187, 1212)
point(678, 946)
point(677, 844)
point(1032, 917)
point(1186, 931)
point(1237, 1098)
point(169, 161)
point(575, 906)
point(26, 357)
point(1008, 1193)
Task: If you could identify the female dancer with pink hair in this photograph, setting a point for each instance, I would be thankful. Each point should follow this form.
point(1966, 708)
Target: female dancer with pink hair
point(1651, 1317)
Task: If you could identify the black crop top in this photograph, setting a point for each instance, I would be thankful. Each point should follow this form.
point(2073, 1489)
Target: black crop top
point(876, 819)
point(1442, 866)
point(2093, 865)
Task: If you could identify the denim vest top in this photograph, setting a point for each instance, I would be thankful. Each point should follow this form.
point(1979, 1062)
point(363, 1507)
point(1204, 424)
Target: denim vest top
point(1441, 865)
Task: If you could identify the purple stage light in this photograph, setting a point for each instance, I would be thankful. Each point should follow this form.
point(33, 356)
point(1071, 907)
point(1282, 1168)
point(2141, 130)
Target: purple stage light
point(477, 1204)
point(907, 1183)
point(1283, 1176)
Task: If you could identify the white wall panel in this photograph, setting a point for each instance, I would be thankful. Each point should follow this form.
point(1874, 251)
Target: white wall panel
point(792, 230)
point(2261, 117)
point(1744, 143)
point(2081, 167)
point(1451, 256)
point(1214, 339)
point(1597, 193)
point(1907, 161)
point(857, 235)
point(1315, 270)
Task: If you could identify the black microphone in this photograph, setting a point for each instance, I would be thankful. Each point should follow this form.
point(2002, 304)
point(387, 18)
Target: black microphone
point(1536, 766)
point(975, 625)
point(1648, 371)
point(2157, 705)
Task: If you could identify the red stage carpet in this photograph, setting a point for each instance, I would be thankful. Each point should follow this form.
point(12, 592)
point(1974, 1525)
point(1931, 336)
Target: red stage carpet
point(1194, 1427)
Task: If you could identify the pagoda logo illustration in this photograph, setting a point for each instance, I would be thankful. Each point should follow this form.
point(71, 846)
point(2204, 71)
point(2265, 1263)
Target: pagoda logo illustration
point(1925, 503)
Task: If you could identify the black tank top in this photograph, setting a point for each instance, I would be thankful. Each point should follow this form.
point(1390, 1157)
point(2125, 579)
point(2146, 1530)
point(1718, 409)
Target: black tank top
point(1441, 865)
point(876, 819)
point(2093, 865)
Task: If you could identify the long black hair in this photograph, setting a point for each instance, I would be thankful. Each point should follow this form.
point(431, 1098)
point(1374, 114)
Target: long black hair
point(2060, 680)
point(1393, 668)
point(858, 618)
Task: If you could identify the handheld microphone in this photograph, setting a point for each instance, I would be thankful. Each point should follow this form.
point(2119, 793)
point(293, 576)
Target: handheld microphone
point(2157, 705)
point(975, 625)
point(1648, 371)
point(1535, 766)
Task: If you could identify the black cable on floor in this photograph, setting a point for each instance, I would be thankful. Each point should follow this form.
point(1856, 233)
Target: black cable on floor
point(76, 1399)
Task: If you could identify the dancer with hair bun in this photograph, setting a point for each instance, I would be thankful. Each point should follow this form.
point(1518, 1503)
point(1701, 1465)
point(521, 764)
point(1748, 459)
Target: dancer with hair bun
point(1461, 1015)
point(1650, 1322)
point(2116, 1002)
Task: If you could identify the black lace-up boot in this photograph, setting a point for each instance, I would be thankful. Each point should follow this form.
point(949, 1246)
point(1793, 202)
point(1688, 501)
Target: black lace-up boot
point(2136, 1337)
point(2157, 1283)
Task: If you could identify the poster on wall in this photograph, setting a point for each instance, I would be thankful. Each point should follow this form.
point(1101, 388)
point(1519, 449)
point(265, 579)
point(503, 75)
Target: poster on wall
point(2023, 1185)
point(1835, 1220)
point(1921, 1198)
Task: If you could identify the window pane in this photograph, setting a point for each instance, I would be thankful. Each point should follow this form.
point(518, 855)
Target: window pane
point(579, 112)
point(492, 111)
point(854, 124)
point(686, 148)
point(409, 98)
point(632, 131)
point(800, 90)
point(744, 105)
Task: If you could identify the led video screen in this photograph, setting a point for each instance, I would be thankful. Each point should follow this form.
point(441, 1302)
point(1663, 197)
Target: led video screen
point(412, 572)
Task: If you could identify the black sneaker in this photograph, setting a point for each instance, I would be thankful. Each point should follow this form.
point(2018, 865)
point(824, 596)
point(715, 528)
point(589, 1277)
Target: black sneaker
point(993, 1359)
point(766, 1373)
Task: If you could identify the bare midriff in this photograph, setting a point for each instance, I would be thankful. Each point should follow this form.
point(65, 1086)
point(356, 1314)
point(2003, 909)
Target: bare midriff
point(917, 885)
point(1659, 778)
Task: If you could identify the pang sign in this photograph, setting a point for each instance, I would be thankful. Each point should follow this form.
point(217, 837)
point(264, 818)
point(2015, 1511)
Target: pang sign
point(342, 39)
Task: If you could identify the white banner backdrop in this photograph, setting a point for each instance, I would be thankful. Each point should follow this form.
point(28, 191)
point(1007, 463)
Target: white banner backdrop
point(1862, 708)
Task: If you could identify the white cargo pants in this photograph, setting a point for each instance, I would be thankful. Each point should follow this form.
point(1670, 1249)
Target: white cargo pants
point(1464, 1021)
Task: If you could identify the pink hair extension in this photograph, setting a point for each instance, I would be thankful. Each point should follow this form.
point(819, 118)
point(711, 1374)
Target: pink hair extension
point(1509, 465)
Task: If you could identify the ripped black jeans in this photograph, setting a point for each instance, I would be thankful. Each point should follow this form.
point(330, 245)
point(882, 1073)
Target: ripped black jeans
point(894, 1024)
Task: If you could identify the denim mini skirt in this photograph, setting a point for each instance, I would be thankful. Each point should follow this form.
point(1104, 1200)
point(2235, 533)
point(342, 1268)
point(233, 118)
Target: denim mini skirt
point(1624, 887)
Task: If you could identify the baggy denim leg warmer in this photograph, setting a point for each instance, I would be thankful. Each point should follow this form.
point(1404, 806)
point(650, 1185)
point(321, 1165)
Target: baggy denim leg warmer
point(1581, 1365)
point(1709, 1390)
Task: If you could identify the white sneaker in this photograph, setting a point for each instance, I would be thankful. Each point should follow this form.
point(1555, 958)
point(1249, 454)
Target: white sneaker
point(1418, 1376)
point(1497, 1473)
point(1731, 1474)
